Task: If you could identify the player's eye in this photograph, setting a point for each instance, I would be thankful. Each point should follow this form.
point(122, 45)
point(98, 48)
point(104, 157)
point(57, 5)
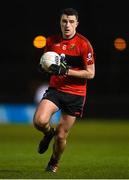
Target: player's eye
point(71, 21)
point(64, 21)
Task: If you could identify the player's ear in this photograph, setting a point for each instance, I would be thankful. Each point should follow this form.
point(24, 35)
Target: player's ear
point(77, 23)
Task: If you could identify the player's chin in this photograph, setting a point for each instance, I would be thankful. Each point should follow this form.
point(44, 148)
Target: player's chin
point(67, 35)
point(67, 32)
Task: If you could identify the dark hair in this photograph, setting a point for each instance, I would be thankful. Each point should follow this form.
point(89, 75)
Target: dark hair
point(69, 11)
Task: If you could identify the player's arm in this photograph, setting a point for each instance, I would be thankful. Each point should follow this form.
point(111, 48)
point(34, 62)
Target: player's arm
point(87, 73)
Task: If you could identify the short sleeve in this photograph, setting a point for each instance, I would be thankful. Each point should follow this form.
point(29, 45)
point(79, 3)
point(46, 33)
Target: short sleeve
point(87, 53)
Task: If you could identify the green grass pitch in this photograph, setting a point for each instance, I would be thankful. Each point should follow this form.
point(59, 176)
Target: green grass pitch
point(95, 150)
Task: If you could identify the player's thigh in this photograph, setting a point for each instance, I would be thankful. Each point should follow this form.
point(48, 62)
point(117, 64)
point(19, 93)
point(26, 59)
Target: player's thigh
point(44, 110)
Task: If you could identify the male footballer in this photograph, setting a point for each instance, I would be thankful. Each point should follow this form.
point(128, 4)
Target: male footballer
point(67, 87)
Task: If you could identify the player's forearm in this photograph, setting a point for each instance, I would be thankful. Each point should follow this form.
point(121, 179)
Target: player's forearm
point(81, 74)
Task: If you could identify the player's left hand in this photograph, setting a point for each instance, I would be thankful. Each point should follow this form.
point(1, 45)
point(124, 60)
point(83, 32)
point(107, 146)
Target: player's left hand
point(59, 70)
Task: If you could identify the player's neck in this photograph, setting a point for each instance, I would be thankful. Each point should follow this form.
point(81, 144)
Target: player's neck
point(69, 36)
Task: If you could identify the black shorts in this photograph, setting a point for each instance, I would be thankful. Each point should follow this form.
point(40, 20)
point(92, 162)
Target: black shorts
point(68, 103)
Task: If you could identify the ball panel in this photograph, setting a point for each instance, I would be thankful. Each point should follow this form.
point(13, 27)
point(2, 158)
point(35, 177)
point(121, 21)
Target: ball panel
point(49, 58)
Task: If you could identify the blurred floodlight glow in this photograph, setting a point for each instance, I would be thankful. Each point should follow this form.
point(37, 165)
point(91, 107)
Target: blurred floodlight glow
point(120, 44)
point(39, 41)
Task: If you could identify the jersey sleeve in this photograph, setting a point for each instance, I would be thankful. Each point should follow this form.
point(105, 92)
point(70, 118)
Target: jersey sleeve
point(87, 53)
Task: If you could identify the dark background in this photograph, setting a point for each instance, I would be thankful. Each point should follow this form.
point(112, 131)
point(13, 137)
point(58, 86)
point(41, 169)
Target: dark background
point(100, 21)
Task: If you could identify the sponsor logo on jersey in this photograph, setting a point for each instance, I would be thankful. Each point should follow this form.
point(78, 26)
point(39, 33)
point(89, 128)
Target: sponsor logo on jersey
point(58, 45)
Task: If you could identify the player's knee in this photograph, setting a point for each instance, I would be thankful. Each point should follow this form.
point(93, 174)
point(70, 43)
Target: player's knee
point(40, 121)
point(61, 135)
point(60, 138)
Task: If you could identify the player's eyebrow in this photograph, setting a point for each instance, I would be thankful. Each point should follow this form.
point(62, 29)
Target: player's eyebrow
point(68, 20)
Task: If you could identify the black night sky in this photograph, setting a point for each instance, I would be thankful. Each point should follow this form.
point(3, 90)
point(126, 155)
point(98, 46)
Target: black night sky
point(100, 21)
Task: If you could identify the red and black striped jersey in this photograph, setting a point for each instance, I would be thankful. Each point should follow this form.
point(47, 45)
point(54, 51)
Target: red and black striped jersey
point(78, 54)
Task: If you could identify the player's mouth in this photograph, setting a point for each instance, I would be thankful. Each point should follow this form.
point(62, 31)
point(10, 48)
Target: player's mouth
point(66, 30)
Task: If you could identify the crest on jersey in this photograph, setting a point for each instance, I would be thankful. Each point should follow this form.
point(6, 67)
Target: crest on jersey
point(72, 46)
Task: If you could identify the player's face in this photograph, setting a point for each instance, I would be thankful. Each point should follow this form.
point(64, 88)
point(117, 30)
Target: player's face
point(68, 26)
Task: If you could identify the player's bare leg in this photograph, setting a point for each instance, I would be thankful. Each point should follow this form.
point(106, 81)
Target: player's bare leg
point(63, 128)
point(41, 121)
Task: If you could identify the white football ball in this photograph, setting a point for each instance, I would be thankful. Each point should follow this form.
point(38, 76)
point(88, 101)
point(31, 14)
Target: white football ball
point(49, 58)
